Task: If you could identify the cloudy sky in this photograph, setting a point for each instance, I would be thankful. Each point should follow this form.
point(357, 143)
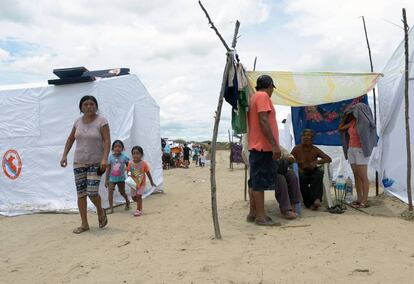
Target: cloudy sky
point(171, 48)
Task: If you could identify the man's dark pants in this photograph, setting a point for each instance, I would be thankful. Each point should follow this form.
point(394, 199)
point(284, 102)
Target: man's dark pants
point(311, 186)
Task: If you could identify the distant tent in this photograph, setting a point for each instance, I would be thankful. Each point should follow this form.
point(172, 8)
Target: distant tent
point(35, 123)
point(390, 155)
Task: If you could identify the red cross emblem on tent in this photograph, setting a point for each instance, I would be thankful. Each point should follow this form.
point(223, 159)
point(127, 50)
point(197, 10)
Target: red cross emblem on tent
point(11, 164)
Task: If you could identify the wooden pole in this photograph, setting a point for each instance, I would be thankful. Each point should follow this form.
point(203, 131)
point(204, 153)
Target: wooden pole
point(245, 182)
point(407, 112)
point(217, 121)
point(231, 144)
point(254, 64)
point(375, 99)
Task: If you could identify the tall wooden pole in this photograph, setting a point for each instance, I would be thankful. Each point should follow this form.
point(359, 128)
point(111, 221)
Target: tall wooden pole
point(217, 120)
point(407, 113)
point(375, 98)
point(254, 64)
point(231, 144)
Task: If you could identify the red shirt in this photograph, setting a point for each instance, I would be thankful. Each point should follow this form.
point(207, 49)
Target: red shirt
point(260, 102)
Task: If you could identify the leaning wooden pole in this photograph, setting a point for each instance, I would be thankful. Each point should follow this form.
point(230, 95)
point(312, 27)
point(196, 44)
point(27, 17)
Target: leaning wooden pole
point(254, 64)
point(217, 120)
point(407, 112)
point(374, 96)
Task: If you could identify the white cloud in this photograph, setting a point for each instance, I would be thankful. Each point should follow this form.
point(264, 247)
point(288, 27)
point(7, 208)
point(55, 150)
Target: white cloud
point(4, 55)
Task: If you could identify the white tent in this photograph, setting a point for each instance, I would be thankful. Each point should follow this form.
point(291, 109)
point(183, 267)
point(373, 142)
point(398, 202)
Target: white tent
point(391, 156)
point(35, 122)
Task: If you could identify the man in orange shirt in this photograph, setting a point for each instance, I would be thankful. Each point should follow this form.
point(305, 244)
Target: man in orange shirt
point(264, 149)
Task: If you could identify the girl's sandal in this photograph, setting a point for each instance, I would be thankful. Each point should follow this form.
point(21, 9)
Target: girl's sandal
point(80, 230)
point(104, 221)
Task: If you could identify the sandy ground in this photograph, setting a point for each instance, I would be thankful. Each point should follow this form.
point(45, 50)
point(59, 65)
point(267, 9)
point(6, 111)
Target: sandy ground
point(172, 242)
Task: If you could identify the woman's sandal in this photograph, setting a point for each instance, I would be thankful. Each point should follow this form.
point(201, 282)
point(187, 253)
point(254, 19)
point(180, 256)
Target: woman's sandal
point(80, 230)
point(104, 221)
point(362, 205)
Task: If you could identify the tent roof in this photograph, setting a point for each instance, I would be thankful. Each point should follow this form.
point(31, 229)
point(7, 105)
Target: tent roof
point(45, 84)
point(22, 86)
point(315, 88)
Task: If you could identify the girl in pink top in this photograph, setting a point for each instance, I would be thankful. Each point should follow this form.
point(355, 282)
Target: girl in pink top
point(359, 163)
point(138, 169)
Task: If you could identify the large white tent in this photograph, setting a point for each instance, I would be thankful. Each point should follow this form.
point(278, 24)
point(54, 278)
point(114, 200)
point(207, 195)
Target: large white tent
point(35, 122)
point(390, 156)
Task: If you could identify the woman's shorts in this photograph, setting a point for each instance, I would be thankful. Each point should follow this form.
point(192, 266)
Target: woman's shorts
point(356, 156)
point(263, 171)
point(86, 179)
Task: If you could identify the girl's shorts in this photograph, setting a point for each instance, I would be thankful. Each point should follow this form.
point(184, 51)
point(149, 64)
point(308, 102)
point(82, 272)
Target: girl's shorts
point(356, 156)
point(86, 179)
point(120, 184)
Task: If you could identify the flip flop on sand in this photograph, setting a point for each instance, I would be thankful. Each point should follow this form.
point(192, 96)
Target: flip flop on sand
point(251, 218)
point(289, 215)
point(104, 221)
point(266, 222)
point(335, 209)
point(362, 205)
point(80, 230)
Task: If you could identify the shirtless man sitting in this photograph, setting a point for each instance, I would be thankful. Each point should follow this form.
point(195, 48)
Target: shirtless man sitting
point(308, 158)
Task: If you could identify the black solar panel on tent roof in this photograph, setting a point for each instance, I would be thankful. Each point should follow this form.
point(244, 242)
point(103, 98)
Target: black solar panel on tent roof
point(81, 74)
point(70, 72)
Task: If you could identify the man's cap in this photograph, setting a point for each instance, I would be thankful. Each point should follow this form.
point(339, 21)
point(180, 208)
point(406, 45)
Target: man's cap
point(264, 82)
